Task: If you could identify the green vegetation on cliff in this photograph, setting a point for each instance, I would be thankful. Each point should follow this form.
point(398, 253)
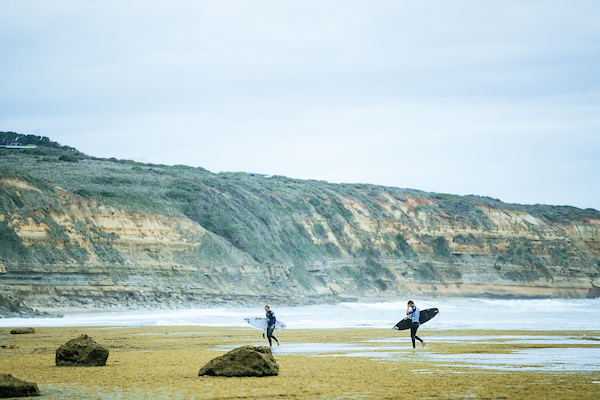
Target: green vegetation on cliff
point(259, 215)
point(278, 220)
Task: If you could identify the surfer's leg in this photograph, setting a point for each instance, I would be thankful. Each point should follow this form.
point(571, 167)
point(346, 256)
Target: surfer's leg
point(414, 335)
point(413, 332)
point(270, 335)
point(277, 340)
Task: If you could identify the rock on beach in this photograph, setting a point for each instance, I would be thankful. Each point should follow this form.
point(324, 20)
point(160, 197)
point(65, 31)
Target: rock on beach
point(13, 387)
point(82, 351)
point(243, 361)
point(22, 331)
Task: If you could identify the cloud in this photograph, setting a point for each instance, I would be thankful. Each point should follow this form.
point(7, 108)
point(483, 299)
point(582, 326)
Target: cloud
point(495, 99)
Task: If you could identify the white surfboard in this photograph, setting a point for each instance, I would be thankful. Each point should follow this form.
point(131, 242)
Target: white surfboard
point(262, 323)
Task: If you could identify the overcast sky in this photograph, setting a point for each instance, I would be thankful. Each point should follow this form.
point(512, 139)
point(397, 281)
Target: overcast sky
point(495, 98)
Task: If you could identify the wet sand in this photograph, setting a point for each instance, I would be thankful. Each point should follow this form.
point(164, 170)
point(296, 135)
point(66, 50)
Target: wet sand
point(163, 363)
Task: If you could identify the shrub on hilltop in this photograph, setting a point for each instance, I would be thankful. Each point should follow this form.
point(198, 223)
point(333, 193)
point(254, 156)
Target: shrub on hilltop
point(18, 139)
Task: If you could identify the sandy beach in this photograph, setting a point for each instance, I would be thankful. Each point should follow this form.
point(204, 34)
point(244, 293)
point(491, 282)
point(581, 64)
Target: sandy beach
point(163, 363)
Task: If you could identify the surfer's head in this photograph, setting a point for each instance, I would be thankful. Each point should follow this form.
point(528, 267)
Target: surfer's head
point(267, 308)
point(410, 303)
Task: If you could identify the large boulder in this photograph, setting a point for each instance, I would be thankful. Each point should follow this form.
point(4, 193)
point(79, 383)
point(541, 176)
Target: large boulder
point(22, 331)
point(13, 387)
point(81, 352)
point(243, 361)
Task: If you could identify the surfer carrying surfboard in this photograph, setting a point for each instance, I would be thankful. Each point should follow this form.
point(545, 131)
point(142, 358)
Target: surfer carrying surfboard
point(271, 325)
point(414, 311)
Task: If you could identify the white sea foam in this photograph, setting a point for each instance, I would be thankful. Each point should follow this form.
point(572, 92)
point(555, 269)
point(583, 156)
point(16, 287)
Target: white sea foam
point(454, 314)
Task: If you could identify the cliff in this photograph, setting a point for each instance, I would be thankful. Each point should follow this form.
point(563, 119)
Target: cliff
point(111, 233)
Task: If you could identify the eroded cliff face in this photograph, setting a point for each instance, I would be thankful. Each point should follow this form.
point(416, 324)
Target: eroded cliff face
point(60, 249)
point(68, 251)
point(511, 254)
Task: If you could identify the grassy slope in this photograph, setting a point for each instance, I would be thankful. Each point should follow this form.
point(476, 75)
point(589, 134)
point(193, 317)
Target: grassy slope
point(260, 216)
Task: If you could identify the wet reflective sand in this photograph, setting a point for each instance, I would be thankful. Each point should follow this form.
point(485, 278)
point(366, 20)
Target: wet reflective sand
point(163, 362)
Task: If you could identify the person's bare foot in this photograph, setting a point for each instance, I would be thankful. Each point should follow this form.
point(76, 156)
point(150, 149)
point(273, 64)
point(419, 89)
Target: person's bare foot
point(423, 344)
point(278, 343)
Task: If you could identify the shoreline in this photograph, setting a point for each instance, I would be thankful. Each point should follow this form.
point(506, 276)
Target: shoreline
point(308, 301)
point(150, 362)
point(455, 314)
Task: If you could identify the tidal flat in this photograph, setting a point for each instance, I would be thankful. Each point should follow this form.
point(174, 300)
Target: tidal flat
point(163, 363)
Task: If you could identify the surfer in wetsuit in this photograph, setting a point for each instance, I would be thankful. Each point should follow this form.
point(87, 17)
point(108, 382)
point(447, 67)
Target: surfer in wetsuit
point(416, 314)
point(271, 325)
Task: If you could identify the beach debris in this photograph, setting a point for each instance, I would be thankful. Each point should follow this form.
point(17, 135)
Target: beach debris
point(13, 387)
point(82, 351)
point(22, 331)
point(243, 361)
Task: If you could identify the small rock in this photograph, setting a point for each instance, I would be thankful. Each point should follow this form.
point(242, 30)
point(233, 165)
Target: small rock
point(82, 351)
point(22, 331)
point(243, 361)
point(13, 387)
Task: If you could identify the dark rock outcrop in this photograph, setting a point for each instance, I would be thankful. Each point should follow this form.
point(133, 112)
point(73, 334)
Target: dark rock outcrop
point(22, 331)
point(243, 361)
point(11, 307)
point(81, 352)
point(594, 292)
point(13, 387)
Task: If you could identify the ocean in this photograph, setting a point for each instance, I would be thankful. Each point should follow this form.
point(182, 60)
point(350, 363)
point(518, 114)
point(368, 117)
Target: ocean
point(455, 314)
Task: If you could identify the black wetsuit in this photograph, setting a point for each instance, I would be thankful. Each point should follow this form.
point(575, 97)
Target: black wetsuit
point(271, 327)
point(413, 332)
point(415, 325)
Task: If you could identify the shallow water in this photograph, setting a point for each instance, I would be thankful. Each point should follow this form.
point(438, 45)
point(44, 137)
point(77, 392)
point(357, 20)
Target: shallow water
point(308, 348)
point(473, 339)
point(539, 359)
point(455, 314)
point(563, 359)
point(543, 359)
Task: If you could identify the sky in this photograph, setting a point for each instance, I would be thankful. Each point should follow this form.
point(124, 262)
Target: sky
point(497, 99)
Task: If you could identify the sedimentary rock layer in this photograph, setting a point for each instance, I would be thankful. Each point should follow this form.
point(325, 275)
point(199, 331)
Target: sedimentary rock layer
point(184, 236)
